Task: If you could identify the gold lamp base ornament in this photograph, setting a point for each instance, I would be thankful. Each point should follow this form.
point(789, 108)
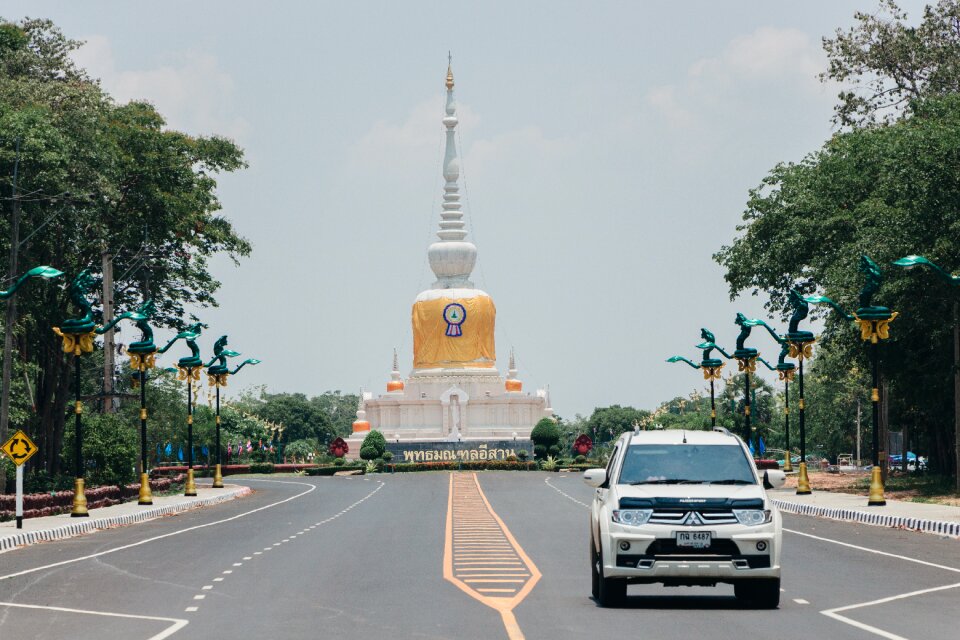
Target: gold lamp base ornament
point(217, 479)
point(79, 509)
point(877, 498)
point(787, 465)
point(146, 496)
point(803, 482)
point(191, 488)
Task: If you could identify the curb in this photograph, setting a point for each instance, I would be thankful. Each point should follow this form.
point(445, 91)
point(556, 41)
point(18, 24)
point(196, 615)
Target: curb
point(88, 526)
point(939, 527)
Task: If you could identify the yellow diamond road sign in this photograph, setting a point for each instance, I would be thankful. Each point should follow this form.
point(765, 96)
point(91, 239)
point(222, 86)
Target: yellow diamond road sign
point(19, 448)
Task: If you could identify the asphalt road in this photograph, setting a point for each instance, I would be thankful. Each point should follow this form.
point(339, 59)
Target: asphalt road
point(362, 557)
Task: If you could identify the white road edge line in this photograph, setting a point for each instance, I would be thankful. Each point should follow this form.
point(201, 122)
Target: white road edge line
point(176, 623)
point(876, 551)
point(313, 487)
point(568, 497)
point(833, 613)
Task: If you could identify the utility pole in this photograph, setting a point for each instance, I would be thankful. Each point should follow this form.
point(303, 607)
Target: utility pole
point(11, 313)
point(108, 340)
point(858, 431)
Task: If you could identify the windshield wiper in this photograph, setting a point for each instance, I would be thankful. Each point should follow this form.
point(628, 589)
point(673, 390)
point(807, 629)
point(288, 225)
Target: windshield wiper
point(730, 481)
point(669, 481)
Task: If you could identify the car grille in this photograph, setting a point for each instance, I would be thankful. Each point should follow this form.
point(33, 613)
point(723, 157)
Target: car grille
point(668, 547)
point(698, 518)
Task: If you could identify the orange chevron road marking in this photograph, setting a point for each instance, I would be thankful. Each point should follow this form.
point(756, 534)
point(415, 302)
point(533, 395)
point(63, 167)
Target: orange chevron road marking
point(481, 556)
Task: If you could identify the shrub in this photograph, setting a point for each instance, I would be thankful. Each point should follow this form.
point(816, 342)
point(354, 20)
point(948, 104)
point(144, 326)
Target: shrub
point(580, 459)
point(339, 462)
point(546, 438)
point(110, 449)
point(550, 464)
point(261, 467)
point(523, 454)
point(387, 456)
point(329, 471)
point(375, 440)
point(512, 458)
point(368, 453)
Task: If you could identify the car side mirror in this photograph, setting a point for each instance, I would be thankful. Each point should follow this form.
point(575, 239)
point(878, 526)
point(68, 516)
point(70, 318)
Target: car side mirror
point(595, 477)
point(774, 479)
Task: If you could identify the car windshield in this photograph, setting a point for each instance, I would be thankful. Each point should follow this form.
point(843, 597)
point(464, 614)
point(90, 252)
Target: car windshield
point(686, 464)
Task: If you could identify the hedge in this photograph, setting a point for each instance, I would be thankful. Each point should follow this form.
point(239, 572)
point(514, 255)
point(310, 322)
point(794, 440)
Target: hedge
point(231, 469)
point(36, 505)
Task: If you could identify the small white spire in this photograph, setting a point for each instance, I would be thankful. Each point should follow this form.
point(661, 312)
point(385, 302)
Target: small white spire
point(452, 258)
point(395, 374)
point(361, 413)
point(512, 370)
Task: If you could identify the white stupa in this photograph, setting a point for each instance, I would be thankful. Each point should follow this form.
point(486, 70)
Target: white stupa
point(454, 391)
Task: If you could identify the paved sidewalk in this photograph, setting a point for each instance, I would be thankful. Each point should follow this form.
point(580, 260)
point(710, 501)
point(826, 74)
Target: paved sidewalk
point(919, 516)
point(63, 526)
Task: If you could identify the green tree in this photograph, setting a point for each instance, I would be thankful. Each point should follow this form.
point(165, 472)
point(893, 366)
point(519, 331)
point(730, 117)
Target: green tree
point(885, 65)
point(607, 423)
point(102, 177)
point(546, 438)
point(887, 191)
point(373, 446)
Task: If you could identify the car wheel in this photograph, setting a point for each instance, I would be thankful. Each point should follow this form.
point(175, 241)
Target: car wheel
point(763, 593)
point(611, 592)
point(594, 571)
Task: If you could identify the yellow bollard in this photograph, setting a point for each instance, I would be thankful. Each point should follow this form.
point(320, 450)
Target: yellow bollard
point(217, 479)
point(146, 496)
point(803, 482)
point(877, 498)
point(787, 466)
point(190, 489)
point(79, 500)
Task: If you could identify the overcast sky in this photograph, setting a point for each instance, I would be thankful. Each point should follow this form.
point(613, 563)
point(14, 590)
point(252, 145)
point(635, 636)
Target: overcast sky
point(607, 151)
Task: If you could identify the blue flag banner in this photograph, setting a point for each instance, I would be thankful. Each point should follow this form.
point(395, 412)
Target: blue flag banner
point(763, 447)
point(205, 451)
point(180, 454)
point(169, 449)
point(752, 451)
point(159, 452)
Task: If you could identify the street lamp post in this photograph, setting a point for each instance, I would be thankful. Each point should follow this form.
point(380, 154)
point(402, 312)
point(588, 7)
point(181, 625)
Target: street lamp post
point(78, 335)
point(143, 357)
point(874, 323)
point(217, 377)
point(801, 348)
point(785, 373)
point(747, 363)
point(189, 370)
point(909, 262)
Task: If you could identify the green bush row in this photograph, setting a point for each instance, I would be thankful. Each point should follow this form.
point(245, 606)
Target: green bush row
point(329, 471)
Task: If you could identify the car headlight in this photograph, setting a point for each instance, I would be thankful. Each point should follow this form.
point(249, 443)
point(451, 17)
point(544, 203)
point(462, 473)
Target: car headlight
point(753, 517)
point(632, 517)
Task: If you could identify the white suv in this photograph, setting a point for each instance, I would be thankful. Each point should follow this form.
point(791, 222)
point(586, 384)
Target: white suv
point(684, 508)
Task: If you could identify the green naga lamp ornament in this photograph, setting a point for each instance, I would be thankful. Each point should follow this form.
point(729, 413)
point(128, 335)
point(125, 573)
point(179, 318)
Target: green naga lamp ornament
point(709, 365)
point(217, 377)
point(78, 334)
point(142, 357)
point(874, 323)
point(47, 273)
point(188, 369)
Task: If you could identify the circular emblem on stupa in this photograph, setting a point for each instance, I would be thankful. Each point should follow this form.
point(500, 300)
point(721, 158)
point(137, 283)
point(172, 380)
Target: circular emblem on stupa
point(454, 314)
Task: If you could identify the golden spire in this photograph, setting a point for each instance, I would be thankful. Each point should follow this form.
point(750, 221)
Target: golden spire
point(449, 71)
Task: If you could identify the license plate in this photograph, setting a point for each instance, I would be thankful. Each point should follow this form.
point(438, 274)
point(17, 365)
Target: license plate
point(695, 539)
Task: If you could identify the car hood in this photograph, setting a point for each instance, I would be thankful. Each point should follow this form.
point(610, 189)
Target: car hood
point(691, 494)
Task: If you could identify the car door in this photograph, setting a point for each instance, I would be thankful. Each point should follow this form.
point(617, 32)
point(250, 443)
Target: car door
point(602, 493)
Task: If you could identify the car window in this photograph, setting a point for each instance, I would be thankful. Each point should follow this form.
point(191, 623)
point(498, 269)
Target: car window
point(686, 464)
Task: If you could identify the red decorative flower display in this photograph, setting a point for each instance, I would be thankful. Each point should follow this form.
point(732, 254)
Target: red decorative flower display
point(338, 448)
point(583, 444)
